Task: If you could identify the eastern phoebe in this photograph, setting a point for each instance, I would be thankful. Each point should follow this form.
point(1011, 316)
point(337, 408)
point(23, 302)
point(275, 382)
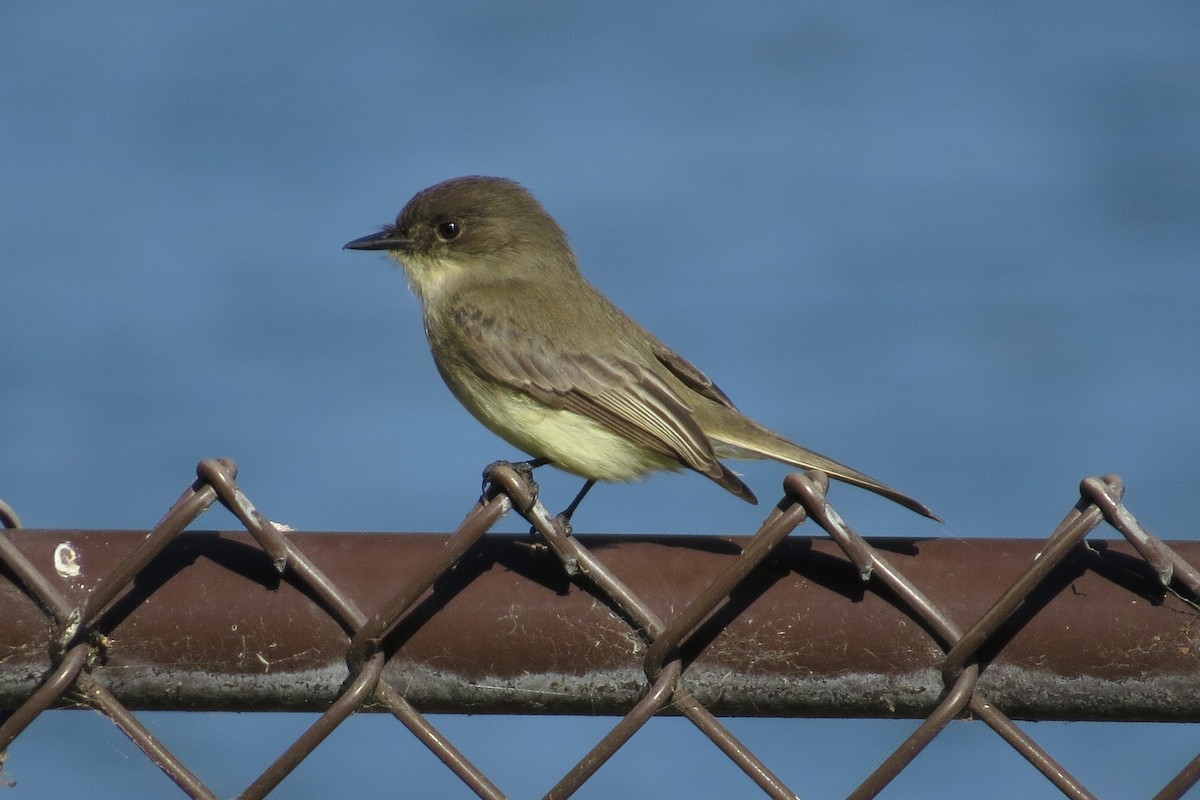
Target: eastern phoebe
point(545, 361)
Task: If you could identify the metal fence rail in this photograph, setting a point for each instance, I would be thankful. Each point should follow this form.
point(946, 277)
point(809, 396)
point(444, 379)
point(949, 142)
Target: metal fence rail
point(764, 625)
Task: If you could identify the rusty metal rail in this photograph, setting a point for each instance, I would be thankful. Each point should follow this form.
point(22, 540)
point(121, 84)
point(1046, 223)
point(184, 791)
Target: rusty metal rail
point(210, 626)
point(770, 625)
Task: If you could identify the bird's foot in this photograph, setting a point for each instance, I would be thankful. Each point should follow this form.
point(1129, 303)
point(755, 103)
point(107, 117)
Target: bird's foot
point(563, 520)
point(563, 523)
point(524, 470)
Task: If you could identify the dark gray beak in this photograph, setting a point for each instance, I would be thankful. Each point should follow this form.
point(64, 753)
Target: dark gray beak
point(386, 239)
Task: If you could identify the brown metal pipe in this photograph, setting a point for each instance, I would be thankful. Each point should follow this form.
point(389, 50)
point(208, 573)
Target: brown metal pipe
point(209, 625)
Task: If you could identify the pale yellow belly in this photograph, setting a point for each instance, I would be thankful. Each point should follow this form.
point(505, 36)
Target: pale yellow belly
point(572, 442)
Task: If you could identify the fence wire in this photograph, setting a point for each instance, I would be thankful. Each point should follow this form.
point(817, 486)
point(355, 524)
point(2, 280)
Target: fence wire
point(70, 632)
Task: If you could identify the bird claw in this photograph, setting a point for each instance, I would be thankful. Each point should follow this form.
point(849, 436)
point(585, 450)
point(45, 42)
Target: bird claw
point(523, 468)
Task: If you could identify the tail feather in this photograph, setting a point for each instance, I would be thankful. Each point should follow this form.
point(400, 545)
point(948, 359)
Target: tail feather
point(751, 440)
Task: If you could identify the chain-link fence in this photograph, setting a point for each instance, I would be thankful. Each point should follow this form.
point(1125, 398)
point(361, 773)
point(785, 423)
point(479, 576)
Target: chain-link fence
point(704, 627)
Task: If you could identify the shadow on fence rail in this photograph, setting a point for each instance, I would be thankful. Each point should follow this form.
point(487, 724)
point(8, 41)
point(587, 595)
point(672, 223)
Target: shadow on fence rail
point(358, 657)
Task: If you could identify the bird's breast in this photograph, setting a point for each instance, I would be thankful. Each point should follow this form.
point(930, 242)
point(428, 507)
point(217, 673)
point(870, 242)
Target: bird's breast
point(571, 441)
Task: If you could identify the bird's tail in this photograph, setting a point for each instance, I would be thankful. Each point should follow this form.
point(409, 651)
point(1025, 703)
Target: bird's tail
point(740, 437)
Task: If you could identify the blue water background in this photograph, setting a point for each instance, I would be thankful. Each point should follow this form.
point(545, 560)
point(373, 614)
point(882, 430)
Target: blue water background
point(954, 245)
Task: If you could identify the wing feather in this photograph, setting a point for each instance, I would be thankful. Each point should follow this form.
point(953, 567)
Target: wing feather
point(691, 375)
point(620, 393)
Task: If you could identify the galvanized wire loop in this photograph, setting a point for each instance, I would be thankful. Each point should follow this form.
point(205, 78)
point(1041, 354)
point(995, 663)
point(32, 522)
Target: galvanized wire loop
point(8, 517)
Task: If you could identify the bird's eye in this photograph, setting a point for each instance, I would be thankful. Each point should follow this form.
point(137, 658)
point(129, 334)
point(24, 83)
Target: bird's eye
point(449, 230)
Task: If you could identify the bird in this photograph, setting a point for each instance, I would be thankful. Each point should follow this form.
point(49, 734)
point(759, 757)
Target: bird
point(543, 359)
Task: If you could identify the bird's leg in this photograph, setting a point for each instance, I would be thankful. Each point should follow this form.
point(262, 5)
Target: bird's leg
point(565, 516)
point(524, 469)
